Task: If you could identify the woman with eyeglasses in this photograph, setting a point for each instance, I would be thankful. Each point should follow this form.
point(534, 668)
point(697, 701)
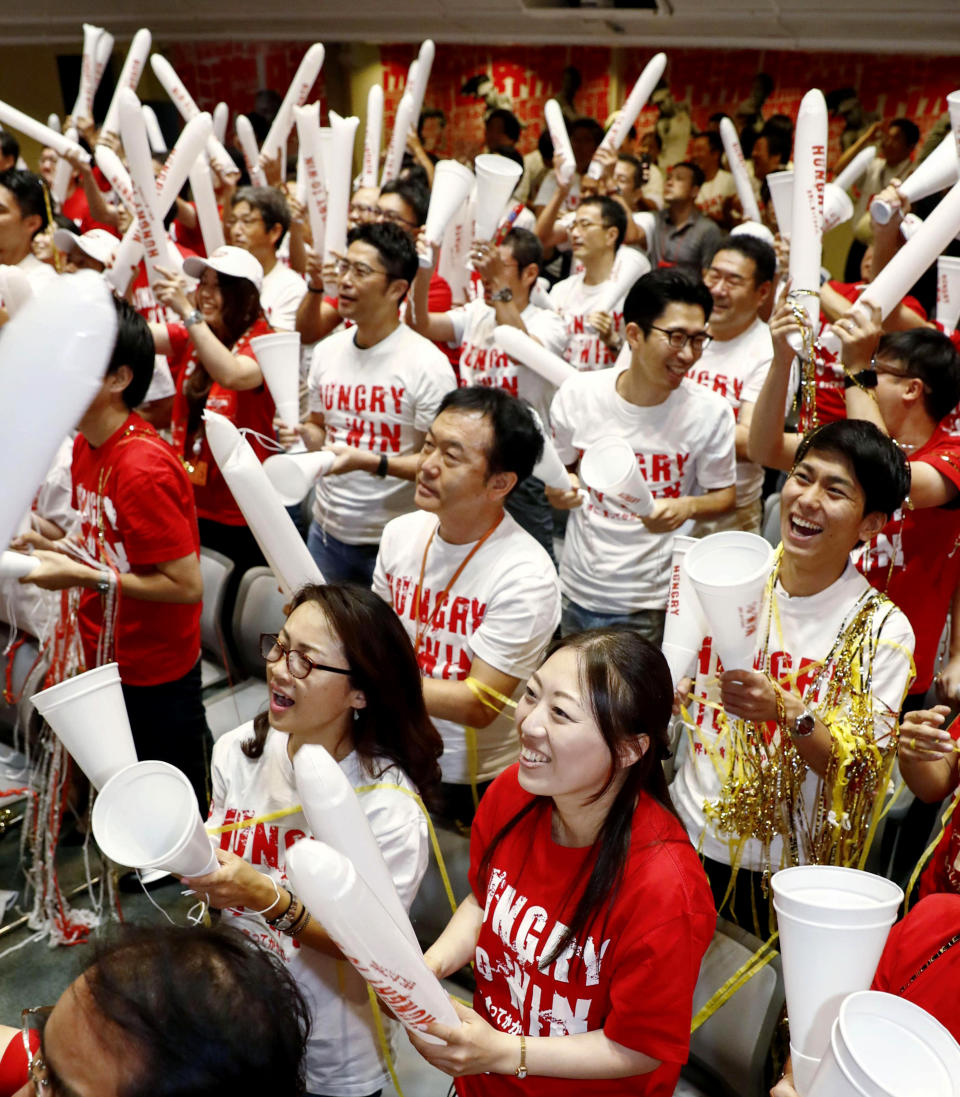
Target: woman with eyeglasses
point(589, 911)
point(341, 674)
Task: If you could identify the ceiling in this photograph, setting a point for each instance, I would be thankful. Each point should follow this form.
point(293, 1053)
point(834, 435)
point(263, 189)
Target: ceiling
point(889, 26)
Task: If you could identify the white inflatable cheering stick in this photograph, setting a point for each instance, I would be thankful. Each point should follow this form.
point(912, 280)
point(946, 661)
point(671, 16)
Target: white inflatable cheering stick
point(636, 101)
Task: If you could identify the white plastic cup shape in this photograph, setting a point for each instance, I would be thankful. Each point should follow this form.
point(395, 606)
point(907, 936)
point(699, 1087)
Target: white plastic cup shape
point(17, 565)
point(451, 186)
point(404, 119)
point(336, 818)
point(837, 207)
point(806, 208)
point(297, 94)
point(940, 169)
point(822, 964)
point(271, 525)
point(684, 625)
point(293, 474)
point(681, 661)
point(557, 126)
point(948, 291)
point(350, 911)
point(630, 112)
point(835, 895)
point(496, 178)
point(519, 346)
point(373, 134)
point(15, 290)
point(628, 266)
point(129, 77)
point(53, 356)
point(338, 168)
point(610, 468)
point(248, 146)
point(804, 1069)
point(729, 571)
point(89, 717)
point(780, 184)
point(855, 170)
point(738, 169)
point(278, 356)
point(146, 816)
point(832, 1077)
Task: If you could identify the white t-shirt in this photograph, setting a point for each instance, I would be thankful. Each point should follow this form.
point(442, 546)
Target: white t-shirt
point(549, 187)
point(283, 290)
point(611, 563)
point(482, 363)
point(652, 190)
point(713, 192)
point(382, 398)
point(808, 630)
point(736, 369)
point(40, 275)
point(503, 608)
point(343, 1052)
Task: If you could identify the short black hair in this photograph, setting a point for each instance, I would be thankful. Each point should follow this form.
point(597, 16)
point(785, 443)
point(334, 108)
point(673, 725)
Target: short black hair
point(909, 129)
point(410, 191)
point(29, 193)
point(545, 145)
point(879, 464)
point(695, 170)
point(525, 247)
point(517, 441)
point(591, 124)
point(509, 152)
point(134, 348)
point(763, 256)
point(635, 164)
point(612, 214)
point(713, 139)
point(778, 131)
point(426, 115)
point(511, 124)
point(181, 998)
point(655, 291)
point(931, 357)
point(655, 137)
point(9, 145)
point(270, 203)
point(397, 253)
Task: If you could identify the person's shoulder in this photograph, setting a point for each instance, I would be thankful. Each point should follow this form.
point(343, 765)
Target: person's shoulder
point(662, 856)
point(503, 798)
point(230, 743)
point(889, 621)
point(400, 531)
point(286, 276)
point(704, 400)
point(515, 548)
point(427, 353)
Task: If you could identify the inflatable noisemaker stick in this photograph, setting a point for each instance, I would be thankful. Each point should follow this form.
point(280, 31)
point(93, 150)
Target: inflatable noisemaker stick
point(88, 715)
point(557, 126)
point(251, 154)
point(14, 119)
point(349, 910)
point(53, 121)
point(940, 170)
point(738, 169)
point(89, 65)
point(420, 77)
point(308, 127)
point(183, 100)
point(923, 248)
point(685, 625)
point(294, 473)
point(129, 77)
point(15, 289)
point(336, 817)
point(806, 210)
point(372, 136)
point(405, 118)
point(948, 291)
point(337, 165)
point(629, 265)
point(452, 183)
point(278, 356)
point(522, 348)
point(306, 76)
point(133, 132)
point(855, 170)
point(53, 357)
point(201, 186)
point(155, 136)
point(636, 101)
point(780, 185)
point(496, 179)
point(63, 172)
point(550, 469)
point(221, 116)
point(274, 531)
point(116, 175)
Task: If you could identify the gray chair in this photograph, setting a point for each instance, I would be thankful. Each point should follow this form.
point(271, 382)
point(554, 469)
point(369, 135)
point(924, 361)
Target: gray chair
point(215, 668)
point(771, 518)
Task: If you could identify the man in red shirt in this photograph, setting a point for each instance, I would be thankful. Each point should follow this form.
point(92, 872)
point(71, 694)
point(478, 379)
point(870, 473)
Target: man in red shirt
point(136, 559)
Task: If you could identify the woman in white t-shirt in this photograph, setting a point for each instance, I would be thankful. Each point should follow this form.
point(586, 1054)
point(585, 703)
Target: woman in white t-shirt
point(342, 674)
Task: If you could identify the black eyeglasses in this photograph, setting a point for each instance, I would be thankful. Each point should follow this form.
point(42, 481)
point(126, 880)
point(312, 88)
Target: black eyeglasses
point(358, 270)
point(299, 665)
point(678, 339)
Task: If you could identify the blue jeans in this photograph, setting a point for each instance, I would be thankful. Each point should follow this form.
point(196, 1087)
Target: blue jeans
point(648, 622)
point(528, 506)
point(339, 562)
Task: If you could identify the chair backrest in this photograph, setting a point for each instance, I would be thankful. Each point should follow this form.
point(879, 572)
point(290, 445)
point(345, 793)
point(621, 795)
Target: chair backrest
point(216, 570)
point(259, 608)
point(771, 519)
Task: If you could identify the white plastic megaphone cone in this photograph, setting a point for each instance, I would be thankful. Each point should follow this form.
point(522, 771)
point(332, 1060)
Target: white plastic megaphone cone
point(939, 170)
point(729, 571)
point(451, 185)
point(610, 467)
point(496, 178)
point(293, 474)
point(89, 717)
point(948, 291)
point(837, 207)
point(780, 185)
point(278, 356)
point(146, 816)
point(685, 625)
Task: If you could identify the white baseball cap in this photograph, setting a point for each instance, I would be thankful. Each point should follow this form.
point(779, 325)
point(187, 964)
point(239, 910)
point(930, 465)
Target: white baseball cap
point(227, 260)
point(97, 243)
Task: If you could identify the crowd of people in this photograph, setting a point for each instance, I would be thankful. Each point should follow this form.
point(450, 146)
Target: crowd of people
point(487, 641)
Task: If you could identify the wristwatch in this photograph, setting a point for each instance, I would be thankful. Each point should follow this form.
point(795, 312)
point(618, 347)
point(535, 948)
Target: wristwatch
point(505, 294)
point(803, 725)
point(195, 317)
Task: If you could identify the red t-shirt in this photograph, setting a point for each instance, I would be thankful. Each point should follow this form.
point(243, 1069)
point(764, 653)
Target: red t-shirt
point(77, 208)
point(924, 545)
point(943, 869)
point(252, 408)
point(635, 976)
point(136, 511)
point(912, 942)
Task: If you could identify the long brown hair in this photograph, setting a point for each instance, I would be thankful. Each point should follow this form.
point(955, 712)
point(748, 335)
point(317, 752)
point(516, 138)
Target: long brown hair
point(394, 723)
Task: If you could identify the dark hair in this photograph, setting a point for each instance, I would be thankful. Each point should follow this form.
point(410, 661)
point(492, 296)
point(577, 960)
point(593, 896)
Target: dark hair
point(394, 724)
point(931, 357)
point(713, 139)
point(590, 124)
point(517, 441)
point(396, 250)
point(627, 681)
point(763, 256)
point(9, 145)
point(182, 1000)
point(29, 192)
point(695, 170)
point(509, 152)
point(413, 193)
point(412, 172)
point(635, 164)
point(134, 348)
point(270, 203)
point(652, 293)
point(511, 124)
point(778, 131)
point(545, 145)
point(909, 129)
point(525, 247)
point(655, 137)
point(612, 215)
point(878, 463)
point(425, 115)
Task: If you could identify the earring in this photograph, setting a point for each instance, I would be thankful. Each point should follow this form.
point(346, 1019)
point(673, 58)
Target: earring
point(356, 715)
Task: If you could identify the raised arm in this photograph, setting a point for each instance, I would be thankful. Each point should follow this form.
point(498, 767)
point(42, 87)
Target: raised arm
point(768, 444)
